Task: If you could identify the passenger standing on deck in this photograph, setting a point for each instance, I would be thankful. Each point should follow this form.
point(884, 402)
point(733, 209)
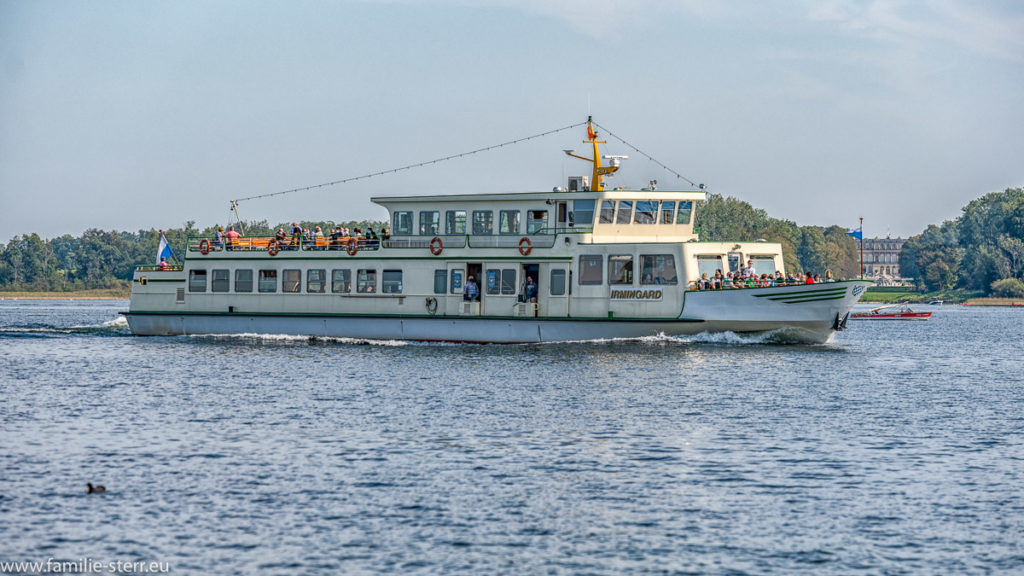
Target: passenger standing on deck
point(296, 235)
point(530, 290)
point(471, 292)
point(218, 237)
point(232, 237)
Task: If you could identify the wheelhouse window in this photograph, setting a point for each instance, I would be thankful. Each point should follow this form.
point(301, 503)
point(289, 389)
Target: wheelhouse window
point(197, 281)
point(508, 222)
point(455, 222)
point(366, 281)
point(341, 281)
point(401, 223)
point(646, 211)
point(536, 220)
point(625, 212)
point(607, 212)
point(268, 281)
point(456, 281)
point(440, 281)
point(591, 266)
point(620, 269)
point(391, 282)
point(685, 211)
point(430, 223)
point(668, 212)
point(243, 280)
point(483, 222)
point(291, 281)
point(220, 281)
point(583, 213)
point(708, 265)
point(557, 282)
point(316, 281)
point(658, 269)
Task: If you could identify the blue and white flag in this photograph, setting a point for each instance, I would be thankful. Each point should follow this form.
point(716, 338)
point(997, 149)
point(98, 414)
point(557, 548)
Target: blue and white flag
point(164, 250)
point(856, 234)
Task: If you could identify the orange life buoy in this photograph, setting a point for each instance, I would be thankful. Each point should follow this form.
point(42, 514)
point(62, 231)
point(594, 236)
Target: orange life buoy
point(273, 248)
point(436, 246)
point(204, 246)
point(525, 246)
point(353, 246)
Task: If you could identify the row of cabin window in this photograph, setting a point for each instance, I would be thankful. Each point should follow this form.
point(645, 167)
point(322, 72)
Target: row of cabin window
point(645, 212)
point(496, 281)
point(612, 212)
point(291, 281)
point(654, 269)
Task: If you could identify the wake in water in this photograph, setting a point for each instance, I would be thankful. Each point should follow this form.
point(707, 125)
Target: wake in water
point(115, 327)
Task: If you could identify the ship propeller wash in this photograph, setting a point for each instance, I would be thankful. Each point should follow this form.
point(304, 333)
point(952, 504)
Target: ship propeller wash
point(580, 262)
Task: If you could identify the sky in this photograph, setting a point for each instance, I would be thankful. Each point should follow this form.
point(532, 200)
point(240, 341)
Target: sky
point(139, 115)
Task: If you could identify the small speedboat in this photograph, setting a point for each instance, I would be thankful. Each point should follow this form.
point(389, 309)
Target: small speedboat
point(936, 302)
point(891, 312)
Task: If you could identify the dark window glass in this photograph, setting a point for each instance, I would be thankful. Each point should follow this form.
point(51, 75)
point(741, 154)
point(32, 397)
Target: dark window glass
point(391, 282)
point(557, 282)
point(620, 269)
point(220, 281)
point(590, 270)
point(197, 281)
point(243, 280)
point(316, 281)
point(268, 280)
point(440, 281)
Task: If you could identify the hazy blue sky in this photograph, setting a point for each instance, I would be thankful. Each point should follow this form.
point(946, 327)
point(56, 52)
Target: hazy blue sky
point(135, 115)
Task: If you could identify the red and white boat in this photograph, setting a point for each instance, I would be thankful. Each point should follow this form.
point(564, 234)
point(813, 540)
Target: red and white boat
point(891, 312)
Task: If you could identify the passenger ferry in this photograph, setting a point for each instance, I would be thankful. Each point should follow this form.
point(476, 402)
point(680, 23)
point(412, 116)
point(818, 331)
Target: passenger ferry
point(605, 264)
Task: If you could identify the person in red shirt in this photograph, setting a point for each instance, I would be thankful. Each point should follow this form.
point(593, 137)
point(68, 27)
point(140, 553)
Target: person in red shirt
point(231, 236)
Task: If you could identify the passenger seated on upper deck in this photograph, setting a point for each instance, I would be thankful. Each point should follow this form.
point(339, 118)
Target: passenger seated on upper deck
point(385, 234)
point(280, 236)
point(471, 292)
point(163, 263)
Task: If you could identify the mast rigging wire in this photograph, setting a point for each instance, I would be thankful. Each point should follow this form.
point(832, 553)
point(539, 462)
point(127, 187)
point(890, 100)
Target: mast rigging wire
point(234, 203)
point(417, 165)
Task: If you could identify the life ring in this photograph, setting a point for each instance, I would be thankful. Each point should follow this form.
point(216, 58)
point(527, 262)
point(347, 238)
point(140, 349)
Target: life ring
point(273, 248)
point(352, 247)
point(525, 246)
point(204, 246)
point(436, 246)
point(431, 306)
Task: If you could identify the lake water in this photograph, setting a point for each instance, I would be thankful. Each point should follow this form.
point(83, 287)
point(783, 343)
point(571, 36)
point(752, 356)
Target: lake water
point(897, 448)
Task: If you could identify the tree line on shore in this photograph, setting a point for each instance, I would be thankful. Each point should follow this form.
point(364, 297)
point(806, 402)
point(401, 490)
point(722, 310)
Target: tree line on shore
point(982, 250)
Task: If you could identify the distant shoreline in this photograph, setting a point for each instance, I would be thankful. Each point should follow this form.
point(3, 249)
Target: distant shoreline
point(75, 295)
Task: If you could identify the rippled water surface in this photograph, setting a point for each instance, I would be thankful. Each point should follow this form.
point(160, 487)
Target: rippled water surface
point(895, 449)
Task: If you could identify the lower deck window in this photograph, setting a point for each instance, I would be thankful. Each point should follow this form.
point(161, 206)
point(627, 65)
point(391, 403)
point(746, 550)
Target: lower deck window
point(620, 269)
point(220, 281)
point(764, 264)
point(708, 265)
point(243, 280)
point(391, 282)
point(291, 281)
point(440, 281)
point(366, 281)
point(591, 266)
point(501, 281)
point(558, 282)
point(658, 269)
point(341, 281)
point(268, 280)
point(316, 281)
point(197, 281)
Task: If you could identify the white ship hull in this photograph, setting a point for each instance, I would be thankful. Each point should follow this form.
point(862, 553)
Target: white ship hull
point(805, 314)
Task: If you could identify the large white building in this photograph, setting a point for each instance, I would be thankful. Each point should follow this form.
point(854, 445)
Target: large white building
point(882, 259)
